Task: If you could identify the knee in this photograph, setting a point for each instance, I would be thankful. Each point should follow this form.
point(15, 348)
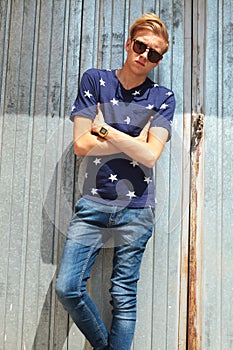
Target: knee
point(123, 301)
point(61, 290)
point(65, 290)
point(69, 298)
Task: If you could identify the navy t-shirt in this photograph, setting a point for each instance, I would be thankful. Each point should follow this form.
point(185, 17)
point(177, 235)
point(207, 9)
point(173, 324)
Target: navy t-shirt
point(117, 179)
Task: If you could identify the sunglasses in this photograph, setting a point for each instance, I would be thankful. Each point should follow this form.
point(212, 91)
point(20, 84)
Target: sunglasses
point(139, 47)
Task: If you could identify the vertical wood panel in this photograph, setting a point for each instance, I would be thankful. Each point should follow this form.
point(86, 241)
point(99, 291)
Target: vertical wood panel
point(170, 179)
point(227, 168)
point(197, 183)
point(184, 244)
point(217, 244)
point(47, 46)
point(15, 181)
point(5, 168)
point(212, 245)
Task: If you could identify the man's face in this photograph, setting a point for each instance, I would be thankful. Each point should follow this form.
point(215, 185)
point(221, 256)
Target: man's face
point(140, 63)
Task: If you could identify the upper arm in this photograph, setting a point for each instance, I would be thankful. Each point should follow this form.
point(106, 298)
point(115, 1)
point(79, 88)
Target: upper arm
point(87, 143)
point(82, 126)
point(83, 139)
point(157, 139)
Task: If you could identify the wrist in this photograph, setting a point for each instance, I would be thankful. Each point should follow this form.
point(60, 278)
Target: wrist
point(103, 130)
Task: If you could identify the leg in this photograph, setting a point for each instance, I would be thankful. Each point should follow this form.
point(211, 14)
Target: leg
point(84, 240)
point(126, 266)
point(74, 272)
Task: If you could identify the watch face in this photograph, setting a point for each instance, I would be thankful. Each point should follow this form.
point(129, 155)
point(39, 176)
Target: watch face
point(103, 131)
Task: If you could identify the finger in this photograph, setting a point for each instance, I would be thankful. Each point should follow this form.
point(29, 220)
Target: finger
point(99, 118)
point(98, 107)
point(151, 118)
point(147, 126)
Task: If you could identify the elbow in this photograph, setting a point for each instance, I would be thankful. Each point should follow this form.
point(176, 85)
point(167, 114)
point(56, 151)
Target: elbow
point(80, 149)
point(150, 163)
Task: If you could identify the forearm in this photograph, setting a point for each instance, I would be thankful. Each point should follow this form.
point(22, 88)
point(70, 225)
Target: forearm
point(92, 145)
point(88, 144)
point(145, 149)
point(137, 150)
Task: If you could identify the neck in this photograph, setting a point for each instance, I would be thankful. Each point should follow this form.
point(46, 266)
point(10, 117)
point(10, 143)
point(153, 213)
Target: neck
point(129, 80)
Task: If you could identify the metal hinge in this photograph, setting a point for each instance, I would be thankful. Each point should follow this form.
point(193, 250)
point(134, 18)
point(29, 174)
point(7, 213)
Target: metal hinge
point(197, 129)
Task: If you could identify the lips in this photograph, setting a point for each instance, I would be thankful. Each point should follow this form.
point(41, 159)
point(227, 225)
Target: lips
point(140, 63)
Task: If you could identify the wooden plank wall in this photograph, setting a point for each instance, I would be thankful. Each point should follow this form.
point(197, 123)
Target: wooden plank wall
point(45, 47)
point(217, 296)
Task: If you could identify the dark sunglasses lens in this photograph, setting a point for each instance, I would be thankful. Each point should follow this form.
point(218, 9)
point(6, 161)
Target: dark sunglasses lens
point(139, 47)
point(153, 56)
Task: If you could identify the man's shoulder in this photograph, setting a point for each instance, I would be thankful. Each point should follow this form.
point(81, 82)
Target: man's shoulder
point(98, 76)
point(159, 89)
point(98, 72)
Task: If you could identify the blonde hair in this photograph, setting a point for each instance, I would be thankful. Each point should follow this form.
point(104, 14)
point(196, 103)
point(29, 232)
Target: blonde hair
point(151, 21)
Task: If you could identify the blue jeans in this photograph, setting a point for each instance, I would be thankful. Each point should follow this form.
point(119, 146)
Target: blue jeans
point(93, 226)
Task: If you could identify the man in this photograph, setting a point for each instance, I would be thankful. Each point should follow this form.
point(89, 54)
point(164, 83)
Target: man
point(122, 121)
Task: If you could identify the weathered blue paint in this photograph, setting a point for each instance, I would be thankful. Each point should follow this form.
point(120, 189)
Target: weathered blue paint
point(45, 47)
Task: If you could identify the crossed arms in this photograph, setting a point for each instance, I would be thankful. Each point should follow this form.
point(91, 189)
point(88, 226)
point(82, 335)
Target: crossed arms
point(145, 148)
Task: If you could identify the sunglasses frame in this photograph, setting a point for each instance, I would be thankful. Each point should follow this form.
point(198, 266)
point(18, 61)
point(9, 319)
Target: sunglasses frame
point(151, 51)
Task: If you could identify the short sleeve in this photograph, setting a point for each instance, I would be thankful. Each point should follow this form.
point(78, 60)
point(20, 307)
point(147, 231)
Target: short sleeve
point(164, 116)
point(87, 98)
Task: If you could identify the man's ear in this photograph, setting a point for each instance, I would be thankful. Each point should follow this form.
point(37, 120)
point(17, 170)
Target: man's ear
point(127, 44)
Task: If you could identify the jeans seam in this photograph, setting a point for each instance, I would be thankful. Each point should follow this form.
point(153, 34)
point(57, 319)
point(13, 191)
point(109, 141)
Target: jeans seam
point(85, 267)
point(94, 318)
point(79, 290)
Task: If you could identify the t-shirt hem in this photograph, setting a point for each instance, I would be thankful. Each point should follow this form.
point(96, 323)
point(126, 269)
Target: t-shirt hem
point(120, 203)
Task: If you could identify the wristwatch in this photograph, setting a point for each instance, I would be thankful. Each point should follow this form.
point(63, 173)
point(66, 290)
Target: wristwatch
point(103, 131)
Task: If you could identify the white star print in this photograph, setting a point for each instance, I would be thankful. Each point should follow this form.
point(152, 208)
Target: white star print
point(150, 106)
point(169, 93)
point(131, 194)
point(87, 94)
point(94, 191)
point(97, 161)
point(164, 106)
point(156, 85)
point(113, 177)
point(73, 108)
point(147, 180)
point(114, 102)
point(127, 120)
point(135, 93)
point(86, 175)
point(102, 82)
point(134, 163)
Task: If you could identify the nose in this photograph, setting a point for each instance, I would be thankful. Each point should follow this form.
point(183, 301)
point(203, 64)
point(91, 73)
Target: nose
point(145, 53)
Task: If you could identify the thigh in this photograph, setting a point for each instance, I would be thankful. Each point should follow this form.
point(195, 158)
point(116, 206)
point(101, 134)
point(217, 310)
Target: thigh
point(134, 227)
point(75, 267)
point(86, 226)
point(125, 275)
point(128, 257)
point(84, 240)
point(131, 238)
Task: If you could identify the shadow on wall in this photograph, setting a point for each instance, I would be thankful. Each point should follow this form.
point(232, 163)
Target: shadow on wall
point(55, 324)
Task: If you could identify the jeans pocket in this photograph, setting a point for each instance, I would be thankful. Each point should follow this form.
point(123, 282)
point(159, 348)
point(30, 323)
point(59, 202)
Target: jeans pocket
point(79, 204)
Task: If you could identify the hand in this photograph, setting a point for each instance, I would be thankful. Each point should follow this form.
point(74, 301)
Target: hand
point(143, 136)
point(98, 120)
